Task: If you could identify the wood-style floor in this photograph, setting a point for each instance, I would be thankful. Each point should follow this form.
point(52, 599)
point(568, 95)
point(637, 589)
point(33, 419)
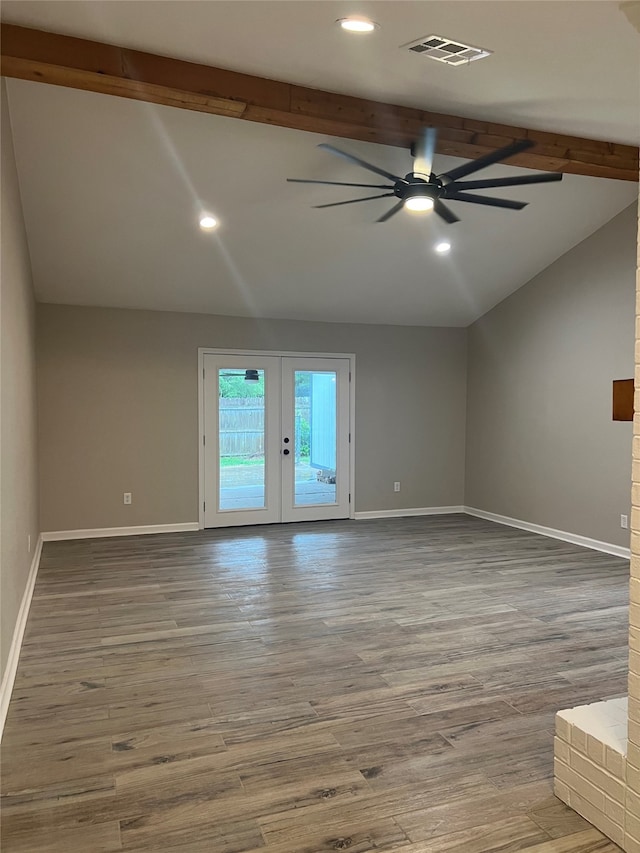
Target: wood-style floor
point(370, 685)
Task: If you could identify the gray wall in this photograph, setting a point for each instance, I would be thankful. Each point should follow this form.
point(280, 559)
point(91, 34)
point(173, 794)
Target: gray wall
point(118, 410)
point(118, 403)
point(541, 444)
point(18, 478)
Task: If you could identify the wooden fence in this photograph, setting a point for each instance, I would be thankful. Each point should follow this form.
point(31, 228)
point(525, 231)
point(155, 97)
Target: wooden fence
point(241, 425)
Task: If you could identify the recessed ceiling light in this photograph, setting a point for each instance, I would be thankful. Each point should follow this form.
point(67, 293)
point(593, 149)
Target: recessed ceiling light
point(208, 222)
point(443, 247)
point(419, 203)
point(357, 24)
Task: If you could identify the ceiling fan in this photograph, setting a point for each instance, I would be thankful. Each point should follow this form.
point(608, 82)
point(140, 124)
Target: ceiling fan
point(421, 189)
point(247, 375)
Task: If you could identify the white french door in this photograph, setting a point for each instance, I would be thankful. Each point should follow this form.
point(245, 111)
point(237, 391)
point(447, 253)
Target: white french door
point(276, 438)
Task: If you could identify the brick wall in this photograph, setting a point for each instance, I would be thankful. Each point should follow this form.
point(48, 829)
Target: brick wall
point(590, 764)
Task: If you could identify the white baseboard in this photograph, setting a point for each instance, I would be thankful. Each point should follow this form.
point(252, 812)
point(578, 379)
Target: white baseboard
point(402, 513)
point(104, 532)
point(574, 538)
point(18, 633)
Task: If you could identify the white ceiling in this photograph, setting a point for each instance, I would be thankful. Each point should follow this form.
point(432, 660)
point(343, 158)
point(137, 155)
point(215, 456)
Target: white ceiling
point(112, 188)
point(571, 66)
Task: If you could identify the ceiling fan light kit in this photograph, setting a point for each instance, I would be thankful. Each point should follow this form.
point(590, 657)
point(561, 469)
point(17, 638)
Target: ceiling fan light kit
point(419, 202)
point(422, 190)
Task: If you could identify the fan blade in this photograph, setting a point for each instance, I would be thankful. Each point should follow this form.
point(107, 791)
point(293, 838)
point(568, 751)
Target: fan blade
point(445, 212)
point(353, 200)
point(543, 178)
point(391, 212)
point(425, 149)
point(488, 159)
point(490, 202)
point(353, 159)
point(339, 184)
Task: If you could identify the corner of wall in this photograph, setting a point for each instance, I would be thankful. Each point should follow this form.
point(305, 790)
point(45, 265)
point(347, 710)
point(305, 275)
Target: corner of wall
point(19, 511)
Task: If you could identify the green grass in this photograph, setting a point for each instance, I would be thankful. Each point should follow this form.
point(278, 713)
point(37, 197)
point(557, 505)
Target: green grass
point(234, 461)
point(229, 461)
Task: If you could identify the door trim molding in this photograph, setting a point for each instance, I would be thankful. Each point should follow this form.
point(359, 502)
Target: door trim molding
point(202, 351)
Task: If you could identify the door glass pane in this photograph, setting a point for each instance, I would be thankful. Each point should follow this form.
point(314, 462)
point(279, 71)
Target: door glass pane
point(315, 437)
point(241, 438)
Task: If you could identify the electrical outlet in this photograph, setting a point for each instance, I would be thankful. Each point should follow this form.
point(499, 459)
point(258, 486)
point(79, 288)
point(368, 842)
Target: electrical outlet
point(624, 521)
point(127, 498)
point(396, 487)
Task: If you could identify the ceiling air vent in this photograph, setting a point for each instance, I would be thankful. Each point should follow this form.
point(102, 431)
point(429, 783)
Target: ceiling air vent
point(447, 50)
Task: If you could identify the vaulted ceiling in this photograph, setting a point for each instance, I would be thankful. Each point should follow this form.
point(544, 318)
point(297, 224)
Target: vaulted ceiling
point(112, 188)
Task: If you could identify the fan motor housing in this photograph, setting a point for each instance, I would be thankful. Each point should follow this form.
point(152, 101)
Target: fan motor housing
point(415, 187)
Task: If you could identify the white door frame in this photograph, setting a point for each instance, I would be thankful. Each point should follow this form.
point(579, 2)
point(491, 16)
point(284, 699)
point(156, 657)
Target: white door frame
point(202, 351)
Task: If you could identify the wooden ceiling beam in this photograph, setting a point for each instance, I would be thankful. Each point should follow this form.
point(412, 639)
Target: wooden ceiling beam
point(93, 66)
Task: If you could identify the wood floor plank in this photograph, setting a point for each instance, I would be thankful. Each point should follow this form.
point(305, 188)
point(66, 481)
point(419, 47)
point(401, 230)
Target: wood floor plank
point(558, 820)
point(101, 838)
point(194, 826)
point(589, 841)
point(385, 684)
point(454, 817)
point(507, 836)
